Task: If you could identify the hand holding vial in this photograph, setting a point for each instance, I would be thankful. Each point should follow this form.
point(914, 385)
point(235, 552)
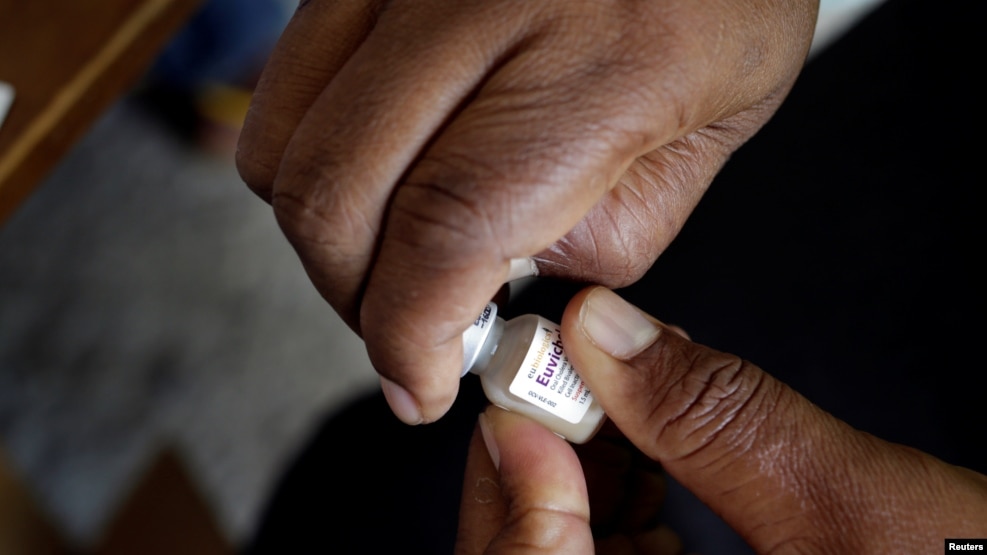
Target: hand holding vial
point(523, 367)
point(776, 467)
point(411, 150)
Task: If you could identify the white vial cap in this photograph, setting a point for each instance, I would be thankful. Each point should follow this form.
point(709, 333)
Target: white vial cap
point(476, 335)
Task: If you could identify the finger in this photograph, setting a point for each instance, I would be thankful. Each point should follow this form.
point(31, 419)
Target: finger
point(532, 152)
point(679, 330)
point(315, 44)
point(424, 167)
point(542, 492)
point(483, 507)
point(361, 134)
point(627, 230)
point(626, 488)
point(517, 167)
point(660, 540)
point(732, 90)
point(776, 467)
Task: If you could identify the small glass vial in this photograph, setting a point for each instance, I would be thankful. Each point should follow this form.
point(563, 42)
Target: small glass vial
point(523, 369)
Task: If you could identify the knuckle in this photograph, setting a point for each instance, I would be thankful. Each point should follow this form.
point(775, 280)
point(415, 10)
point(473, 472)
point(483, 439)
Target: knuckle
point(302, 223)
point(255, 172)
point(713, 412)
point(442, 217)
point(625, 255)
point(607, 248)
point(312, 210)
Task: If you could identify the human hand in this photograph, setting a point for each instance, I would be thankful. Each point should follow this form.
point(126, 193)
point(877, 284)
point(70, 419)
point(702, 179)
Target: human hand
point(784, 474)
point(535, 496)
point(410, 150)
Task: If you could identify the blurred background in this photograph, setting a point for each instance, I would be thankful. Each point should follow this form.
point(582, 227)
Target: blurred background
point(149, 303)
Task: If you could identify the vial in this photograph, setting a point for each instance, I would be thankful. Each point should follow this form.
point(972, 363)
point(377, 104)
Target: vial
point(523, 368)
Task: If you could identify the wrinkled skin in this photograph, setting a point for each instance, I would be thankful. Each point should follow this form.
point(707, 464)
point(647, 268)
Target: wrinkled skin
point(787, 476)
point(411, 149)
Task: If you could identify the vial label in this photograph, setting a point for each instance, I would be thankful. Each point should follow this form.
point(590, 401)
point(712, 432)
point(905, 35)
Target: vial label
point(547, 379)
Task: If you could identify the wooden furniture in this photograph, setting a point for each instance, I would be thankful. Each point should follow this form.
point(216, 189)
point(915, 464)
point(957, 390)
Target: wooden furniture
point(68, 60)
point(164, 513)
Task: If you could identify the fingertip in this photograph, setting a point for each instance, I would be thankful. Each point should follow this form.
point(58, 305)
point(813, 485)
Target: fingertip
point(615, 326)
point(489, 440)
point(413, 316)
point(538, 468)
point(514, 433)
point(542, 484)
point(402, 403)
point(423, 392)
point(680, 331)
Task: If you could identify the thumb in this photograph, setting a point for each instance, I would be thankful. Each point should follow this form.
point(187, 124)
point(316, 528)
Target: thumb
point(778, 469)
point(540, 504)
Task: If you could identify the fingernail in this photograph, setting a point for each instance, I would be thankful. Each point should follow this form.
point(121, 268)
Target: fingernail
point(615, 326)
point(488, 440)
point(401, 402)
point(521, 268)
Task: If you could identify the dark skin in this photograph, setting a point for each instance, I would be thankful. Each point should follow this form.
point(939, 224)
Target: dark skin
point(411, 149)
point(787, 476)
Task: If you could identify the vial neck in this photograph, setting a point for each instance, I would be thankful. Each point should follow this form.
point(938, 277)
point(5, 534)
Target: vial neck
point(481, 340)
point(489, 347)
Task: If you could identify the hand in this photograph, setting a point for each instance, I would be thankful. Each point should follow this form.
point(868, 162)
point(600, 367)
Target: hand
point(530, 493)
point(783, 473)
point(410, 150)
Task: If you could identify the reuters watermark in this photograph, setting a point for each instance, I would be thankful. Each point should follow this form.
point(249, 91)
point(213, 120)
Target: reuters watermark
point(965, 545)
